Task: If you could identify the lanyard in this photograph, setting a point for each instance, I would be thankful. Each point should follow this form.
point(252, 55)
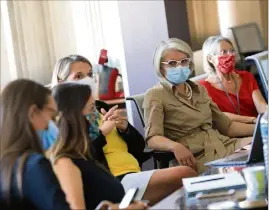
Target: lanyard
point(237, 109)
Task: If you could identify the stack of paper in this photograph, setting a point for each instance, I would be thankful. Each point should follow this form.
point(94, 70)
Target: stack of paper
point(213, 183)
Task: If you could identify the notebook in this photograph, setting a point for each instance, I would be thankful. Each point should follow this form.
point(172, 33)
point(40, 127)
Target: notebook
point(213, 183)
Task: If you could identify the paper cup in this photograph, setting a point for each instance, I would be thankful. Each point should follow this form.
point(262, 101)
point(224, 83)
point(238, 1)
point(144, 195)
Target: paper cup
point(255, 179)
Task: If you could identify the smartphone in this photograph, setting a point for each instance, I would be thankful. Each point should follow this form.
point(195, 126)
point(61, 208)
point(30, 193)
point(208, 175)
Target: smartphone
point(128, 198)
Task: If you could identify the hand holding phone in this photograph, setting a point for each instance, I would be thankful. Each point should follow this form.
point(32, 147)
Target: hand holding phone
point(128, 198)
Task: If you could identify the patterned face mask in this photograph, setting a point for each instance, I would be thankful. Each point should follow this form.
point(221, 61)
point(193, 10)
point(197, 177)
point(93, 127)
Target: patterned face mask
point(93, 118)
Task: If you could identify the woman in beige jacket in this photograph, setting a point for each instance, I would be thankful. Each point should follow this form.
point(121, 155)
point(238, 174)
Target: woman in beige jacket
point(180, 116)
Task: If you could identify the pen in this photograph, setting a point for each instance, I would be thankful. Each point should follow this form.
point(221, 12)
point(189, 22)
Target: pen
point(207, 180)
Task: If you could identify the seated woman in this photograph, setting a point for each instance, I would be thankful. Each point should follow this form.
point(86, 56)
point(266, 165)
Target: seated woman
point(72, 157)
point(122, 148)
point(234, 91)
point(179, 114)
point(27, 179)
point(78, 68)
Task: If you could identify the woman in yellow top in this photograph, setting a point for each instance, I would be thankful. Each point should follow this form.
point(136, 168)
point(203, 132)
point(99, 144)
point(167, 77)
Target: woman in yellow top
point(181, 117)
point(118, 147)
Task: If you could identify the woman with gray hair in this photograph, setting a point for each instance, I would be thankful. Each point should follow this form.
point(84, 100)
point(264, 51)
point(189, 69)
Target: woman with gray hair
point(179, 114)
point(236, 92)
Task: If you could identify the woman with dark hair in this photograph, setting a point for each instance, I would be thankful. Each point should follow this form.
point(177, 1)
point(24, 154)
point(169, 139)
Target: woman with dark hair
point(26, 112)
point(79, 173)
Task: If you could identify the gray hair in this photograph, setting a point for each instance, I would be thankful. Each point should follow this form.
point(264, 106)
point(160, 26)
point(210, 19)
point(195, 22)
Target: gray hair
point(62, 68)
point(209, 48)
point(164, 46)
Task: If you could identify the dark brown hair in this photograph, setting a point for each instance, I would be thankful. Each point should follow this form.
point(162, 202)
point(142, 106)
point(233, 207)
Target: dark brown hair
point(17, 135)
point(74, 139)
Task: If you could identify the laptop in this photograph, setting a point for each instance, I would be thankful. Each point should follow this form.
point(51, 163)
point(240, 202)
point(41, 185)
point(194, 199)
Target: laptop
point(255, 155)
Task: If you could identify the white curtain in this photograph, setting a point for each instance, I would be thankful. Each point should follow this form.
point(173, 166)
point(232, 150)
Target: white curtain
point(97, 26)
point(38, 33)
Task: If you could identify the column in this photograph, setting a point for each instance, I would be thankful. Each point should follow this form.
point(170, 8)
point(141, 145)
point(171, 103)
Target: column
point(143, 26)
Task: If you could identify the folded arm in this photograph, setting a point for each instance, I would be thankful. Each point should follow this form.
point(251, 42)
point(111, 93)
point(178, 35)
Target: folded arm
point(259, 101)
point(240, 118)
point(227, 127)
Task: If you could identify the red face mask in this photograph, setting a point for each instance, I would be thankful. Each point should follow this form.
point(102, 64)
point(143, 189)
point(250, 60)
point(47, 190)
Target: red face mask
point(226, 63)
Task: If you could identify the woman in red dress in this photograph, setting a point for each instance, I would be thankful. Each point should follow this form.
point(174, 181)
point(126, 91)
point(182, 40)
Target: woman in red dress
point(235, 91)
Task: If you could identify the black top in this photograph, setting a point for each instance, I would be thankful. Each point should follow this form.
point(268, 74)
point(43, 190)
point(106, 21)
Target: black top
point(134, 140)
point(98, 184)
point(41, 189)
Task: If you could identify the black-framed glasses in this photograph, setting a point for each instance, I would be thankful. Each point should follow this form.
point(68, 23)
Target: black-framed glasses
point(174, 63)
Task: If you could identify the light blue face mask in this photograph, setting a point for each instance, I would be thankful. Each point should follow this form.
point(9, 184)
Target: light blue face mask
point(93, 119)
point(178, 75)
point(49, 136)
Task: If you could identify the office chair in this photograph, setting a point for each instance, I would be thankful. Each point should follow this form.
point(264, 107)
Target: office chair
point(248, 39)
point(261, 61)
point(161, 159)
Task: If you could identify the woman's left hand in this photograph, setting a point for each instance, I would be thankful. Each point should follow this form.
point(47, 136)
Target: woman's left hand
point(116, 115)
point(121, 121)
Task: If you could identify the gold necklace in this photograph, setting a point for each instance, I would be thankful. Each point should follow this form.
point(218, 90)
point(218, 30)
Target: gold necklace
point(189, 94)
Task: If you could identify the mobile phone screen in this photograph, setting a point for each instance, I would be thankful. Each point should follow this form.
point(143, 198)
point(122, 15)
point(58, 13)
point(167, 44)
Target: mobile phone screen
point(128, 198)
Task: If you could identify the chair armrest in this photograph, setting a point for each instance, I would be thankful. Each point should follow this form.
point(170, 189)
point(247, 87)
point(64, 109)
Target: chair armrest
point(163, 156)
point(148, 150)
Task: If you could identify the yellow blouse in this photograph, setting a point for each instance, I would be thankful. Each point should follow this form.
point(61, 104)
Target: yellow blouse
point(119, 160)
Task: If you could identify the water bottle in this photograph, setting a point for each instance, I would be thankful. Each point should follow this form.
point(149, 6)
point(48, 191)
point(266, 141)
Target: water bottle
point(264, 134)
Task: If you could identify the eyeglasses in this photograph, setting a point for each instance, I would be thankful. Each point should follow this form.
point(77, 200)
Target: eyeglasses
point(227, 52)
point(174, 63)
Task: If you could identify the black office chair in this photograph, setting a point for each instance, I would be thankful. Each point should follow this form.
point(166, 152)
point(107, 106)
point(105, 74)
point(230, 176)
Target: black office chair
point(161, 159)
point(261, 62)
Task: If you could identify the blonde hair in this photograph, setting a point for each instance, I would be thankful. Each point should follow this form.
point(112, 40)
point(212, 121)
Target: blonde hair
point(209, 48)
point(62, 68)
point(164, 46)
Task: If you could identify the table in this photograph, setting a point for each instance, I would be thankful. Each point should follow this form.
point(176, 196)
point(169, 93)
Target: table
point(179, 200)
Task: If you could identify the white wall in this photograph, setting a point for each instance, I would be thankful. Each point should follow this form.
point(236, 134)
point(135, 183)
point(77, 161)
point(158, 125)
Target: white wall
point(143, 26)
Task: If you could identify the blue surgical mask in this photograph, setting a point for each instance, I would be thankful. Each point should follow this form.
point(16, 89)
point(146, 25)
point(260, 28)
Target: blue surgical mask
point(178, 74)
point(49, 136)
point(93, 119)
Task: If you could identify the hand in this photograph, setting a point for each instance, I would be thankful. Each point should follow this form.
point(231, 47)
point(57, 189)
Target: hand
point(113, 114)
point(184, 156)
point(253, 120)
point(107, 126)
point(121, 121)
point(106, 205)
point(108, 114)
